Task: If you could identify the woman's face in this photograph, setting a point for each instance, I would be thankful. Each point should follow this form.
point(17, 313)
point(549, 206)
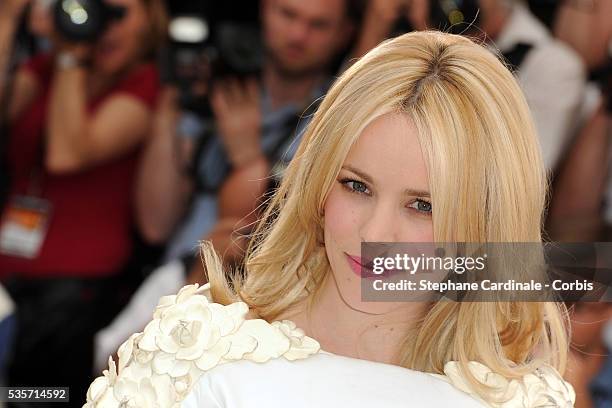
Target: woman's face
point(123, 42)
point(381, 195)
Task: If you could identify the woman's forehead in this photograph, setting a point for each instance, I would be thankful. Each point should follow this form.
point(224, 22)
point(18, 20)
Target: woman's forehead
point(388, 150)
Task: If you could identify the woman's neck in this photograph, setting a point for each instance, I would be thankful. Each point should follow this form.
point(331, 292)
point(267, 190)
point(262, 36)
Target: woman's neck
point(344, 330)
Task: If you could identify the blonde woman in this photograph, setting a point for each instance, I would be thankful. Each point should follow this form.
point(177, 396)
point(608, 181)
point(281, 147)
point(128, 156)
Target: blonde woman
point(426, 139)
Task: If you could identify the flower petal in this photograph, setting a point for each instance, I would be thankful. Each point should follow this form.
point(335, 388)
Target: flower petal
point(147, 342)
point(240, 344)
point(125, 350)
point(186, 292)
point(271, 343)
point(97, 388)
point(167, 363)
point(211, 357)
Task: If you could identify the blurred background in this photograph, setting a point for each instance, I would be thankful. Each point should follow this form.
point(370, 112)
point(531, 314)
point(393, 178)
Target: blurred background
point(132, 129)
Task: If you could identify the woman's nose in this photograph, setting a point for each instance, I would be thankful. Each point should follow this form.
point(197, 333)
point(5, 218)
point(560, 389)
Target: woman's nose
point(381, 224)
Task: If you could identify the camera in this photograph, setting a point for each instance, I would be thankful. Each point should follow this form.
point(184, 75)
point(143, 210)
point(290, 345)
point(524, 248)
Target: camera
point(84, 20)
point(200, 54)
point(208, 42)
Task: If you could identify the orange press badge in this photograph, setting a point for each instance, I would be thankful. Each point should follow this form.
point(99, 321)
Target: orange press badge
point(23, 226)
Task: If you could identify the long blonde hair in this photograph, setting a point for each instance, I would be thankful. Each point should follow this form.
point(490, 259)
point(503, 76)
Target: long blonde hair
point(487, 183)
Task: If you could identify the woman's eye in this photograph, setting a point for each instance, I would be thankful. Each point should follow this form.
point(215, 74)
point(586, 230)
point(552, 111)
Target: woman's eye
point(421, 206)
point(355, 186)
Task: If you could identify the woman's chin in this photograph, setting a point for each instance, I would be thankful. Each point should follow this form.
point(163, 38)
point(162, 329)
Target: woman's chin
point(349, 290)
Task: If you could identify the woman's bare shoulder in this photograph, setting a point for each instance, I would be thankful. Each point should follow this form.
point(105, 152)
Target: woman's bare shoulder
point(188, 336)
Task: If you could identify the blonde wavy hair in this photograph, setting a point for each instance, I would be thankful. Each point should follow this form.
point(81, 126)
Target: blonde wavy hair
point(487, 184)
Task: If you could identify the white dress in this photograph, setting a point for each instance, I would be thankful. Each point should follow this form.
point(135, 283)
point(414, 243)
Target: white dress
point(199, 354)
point(323, 381)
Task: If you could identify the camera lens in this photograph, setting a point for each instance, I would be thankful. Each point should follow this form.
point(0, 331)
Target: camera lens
point(84, 20)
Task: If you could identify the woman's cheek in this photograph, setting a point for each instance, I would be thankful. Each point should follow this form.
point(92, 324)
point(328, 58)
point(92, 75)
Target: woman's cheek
point(420, 230)
point(341, 214)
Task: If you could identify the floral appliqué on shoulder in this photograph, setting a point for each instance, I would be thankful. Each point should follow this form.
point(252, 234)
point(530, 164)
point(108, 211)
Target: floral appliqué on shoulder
point(543, 388)
point(188, 336)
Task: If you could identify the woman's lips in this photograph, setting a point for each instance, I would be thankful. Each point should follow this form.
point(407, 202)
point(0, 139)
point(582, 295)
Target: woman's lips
point(359, 269)
point(362, 268)
point(355, 266)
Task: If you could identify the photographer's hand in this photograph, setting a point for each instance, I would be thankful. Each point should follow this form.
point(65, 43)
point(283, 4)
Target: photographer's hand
point(81, 52)
point(418, 14)
point(237, 111)
point(12, 9)
point(77, 138)
point(238, 205)
point(10, 14)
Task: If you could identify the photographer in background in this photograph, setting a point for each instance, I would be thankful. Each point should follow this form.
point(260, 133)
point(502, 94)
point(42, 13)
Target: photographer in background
point(252, 118)
point(77, 118)
point(257, 122)
point(581, 208)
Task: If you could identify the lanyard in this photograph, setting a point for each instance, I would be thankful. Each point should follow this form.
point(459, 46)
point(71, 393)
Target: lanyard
point(37, 172)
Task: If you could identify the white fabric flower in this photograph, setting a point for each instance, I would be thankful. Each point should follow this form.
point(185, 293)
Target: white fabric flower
point(301, 345)
point(100, 392)
point(241, 343)
point(152, 392)
point(545, 387)
point(271, 343)
point(184, 328)
point(188, 336)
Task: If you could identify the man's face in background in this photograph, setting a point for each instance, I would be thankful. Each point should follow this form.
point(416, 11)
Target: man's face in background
point(301, 37)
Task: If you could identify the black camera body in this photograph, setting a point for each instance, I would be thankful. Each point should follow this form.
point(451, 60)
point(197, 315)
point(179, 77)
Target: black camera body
point(84, 20)
point(207, 45)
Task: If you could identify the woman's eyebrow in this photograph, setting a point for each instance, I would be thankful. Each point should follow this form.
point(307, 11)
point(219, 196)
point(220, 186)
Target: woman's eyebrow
point(408, 191)
point(358, 172)
point(417, 193)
